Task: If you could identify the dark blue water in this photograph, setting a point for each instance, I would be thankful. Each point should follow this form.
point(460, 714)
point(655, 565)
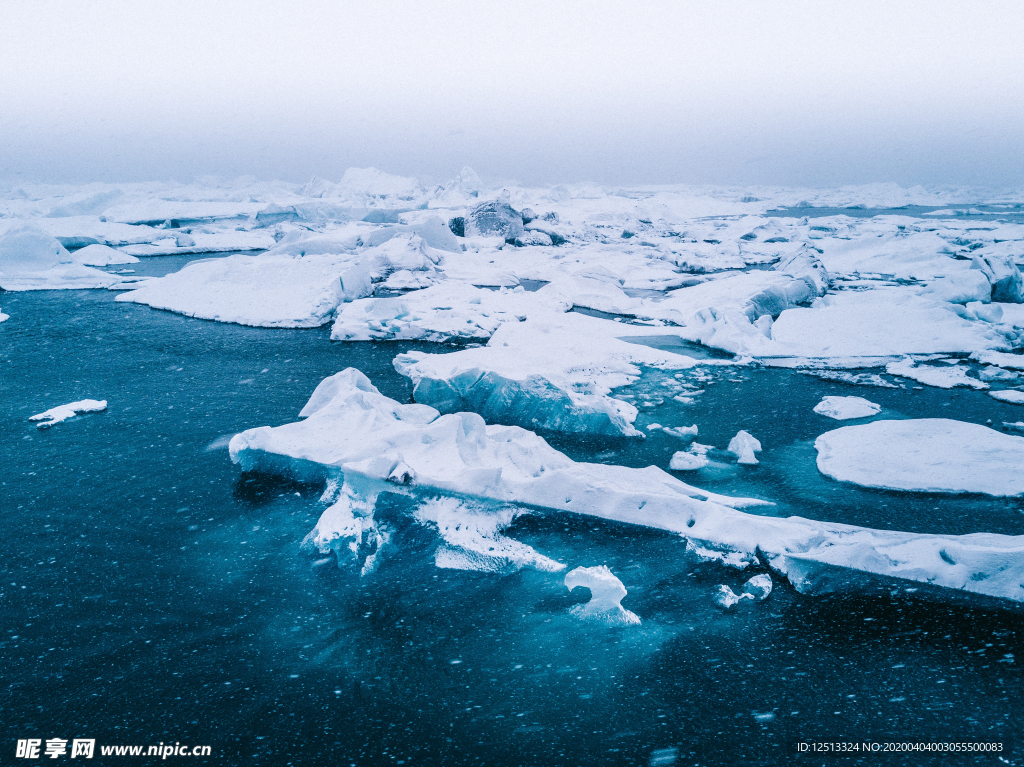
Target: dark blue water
point(150, 592)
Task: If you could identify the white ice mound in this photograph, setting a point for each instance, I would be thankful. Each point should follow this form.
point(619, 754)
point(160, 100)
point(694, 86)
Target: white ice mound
point(473, 540)
point(31, 259)
point(606, 592)
point(1009, 395)
point(743, 446)
point(371, 444)
point(760, 586)
point(684, 461)
point(845, 408)
point(4, 316)
point(98, 254)
point(63, 412)
point(944, 377)
point(935, 455)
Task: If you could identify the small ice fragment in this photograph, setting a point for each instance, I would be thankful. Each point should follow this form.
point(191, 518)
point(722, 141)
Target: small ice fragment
point(1008, 395)
point(685, 432)
point(760, 586)
point(4, 316)
point(844, 408)
point(663, 757)
point(743, 446)
point(606, 592)
point(725, 597)
point(61, 413)
point(654, 426)
point(684, 461)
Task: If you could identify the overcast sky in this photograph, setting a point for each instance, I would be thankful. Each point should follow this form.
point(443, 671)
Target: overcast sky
point(811, 93)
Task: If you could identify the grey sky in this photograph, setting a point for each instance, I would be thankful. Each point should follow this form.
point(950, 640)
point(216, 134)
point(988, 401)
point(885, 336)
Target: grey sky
point(813, 93)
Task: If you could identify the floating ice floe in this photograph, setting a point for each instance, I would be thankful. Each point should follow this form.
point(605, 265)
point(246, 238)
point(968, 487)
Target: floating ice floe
point(368, 444)
point(606, 592)
point(935, 455)
point(4, 316)
point(1008, 395)
point(1000, 359)
point(280, 289)
point(845, 408)
point(63, 412)
point(686, 461)
point(944, 377)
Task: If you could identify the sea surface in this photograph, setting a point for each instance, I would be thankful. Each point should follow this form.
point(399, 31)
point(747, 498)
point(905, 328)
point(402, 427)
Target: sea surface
point(151, 593)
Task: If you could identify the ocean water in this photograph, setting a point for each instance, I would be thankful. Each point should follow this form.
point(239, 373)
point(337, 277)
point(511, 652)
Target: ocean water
point(151, 593)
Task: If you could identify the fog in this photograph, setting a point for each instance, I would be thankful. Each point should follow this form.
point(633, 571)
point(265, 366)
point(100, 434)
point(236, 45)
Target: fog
point(805, 93)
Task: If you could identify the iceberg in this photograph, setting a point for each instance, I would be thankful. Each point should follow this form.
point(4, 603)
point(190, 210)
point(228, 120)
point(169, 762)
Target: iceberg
point(606, 592)
point(30, 259)
point(61, 413)
point(932, 455)
point(352, 435)
point(845, 408)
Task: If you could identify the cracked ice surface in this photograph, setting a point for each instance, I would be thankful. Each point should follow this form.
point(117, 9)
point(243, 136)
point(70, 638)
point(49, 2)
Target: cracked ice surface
point(372, 444)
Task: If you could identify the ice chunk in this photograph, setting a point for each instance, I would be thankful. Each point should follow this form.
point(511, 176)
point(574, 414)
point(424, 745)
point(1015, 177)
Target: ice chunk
point(606, 592)
point(935, 455)
point(1003, 275)
point(4, 316)
point(1012, 361)
point(844, 408)
point(473, 540)
point(945, 377)
point(684, 461)
point(743, 446)
point(760, 586)
point(683, 432)
point(494, 218)
point(353, 433)
point(726, 598)
point(102, 255)
point(63, 412)
point(808, 280)
point(1009, 395)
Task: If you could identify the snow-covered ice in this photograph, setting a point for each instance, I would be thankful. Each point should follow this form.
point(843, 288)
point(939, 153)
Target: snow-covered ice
point(606, 593)
point(367, 444)
point(60, 413)
point(1009, 395)
point(935, 455)
point(686, 461)
point(845, 408)
point(941, 376)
